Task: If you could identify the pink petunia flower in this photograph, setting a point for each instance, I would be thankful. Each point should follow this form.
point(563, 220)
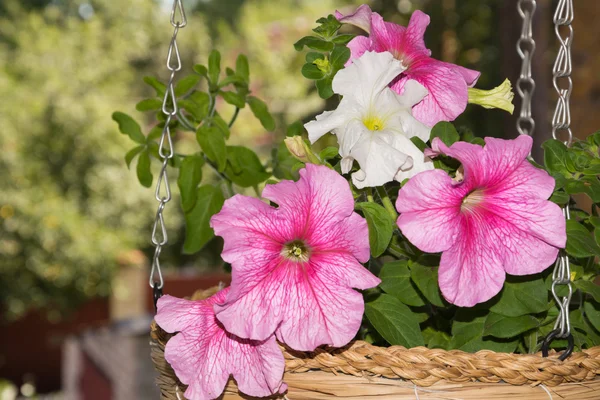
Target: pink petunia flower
point(494, 220)
point(203, 355)
point(446, 83)
point(294, 266)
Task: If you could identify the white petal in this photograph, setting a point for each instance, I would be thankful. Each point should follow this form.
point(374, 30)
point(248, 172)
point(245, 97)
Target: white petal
point(420, 163)
point(349, 135)
point(413, 93)
point(367, 76)
point(346, 164)
point(413, 127)
point(330, 120)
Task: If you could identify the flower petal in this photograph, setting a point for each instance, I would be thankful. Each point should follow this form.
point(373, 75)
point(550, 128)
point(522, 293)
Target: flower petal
point(415, 33)
point(203, 355)
point(470, 76)
point(358, 46)
point(469, 155)
point(360, 18)
point(429, 207)
point(420, 163)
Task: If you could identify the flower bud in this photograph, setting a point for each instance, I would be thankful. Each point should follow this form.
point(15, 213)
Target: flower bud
point(300, 150)
point(498, 97)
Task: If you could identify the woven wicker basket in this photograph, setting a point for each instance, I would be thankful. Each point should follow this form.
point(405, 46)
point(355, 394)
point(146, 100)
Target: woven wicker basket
point(361, 371)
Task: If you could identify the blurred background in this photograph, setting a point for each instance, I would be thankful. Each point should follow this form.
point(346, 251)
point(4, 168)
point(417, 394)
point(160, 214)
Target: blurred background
point(74, 221)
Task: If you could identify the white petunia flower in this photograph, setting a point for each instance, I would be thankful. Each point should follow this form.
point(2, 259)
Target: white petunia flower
point(373, 124)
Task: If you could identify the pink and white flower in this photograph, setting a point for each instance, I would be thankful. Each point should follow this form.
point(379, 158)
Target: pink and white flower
point(203, 355)
point(446, 83)
point(373, 124)
point(294, 266)
point(496, 220)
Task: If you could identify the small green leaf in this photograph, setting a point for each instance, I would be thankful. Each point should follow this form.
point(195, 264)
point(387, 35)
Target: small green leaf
point(559, 197)
point(212, 142)
point(395, 281)
point(132, 153)
point(435, 339)
point(209, 200)
point(129, 127)
point(324, 87)
point(446, 132)
point(158, 86)
point(394, 321)
point(328, 26)
point(222, 125)
point(244, 167)
point(311, 71)
point(521, 298)
point(283, 163)
point(421, 145)
point(233, 98)
point(144, 173)
point(242, 69)
point(467, 334)
point(260, 111)
point(504, 327)
point(343, 39)
point(555, 156)
point(592, 313)
point(186, 84)
point(295, 129)
point(190, 176)
point(313, 56)
point(590, 288)
point(381, 226)
point(426, 279)
point(214, 66)
point(339, 56)
point(328, 153)
point(232, 79)
point(314, 43)
point(580, 242)
point(149, 105)
point(201, 70)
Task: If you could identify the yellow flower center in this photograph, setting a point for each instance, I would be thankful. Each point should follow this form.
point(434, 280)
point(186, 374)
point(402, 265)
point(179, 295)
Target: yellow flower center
point(373, 123)
point(296, 250)
point(471, 200)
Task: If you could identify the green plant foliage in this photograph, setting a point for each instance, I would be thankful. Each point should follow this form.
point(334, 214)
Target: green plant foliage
point(381, 226)
point(209, 200)
point(394, 321)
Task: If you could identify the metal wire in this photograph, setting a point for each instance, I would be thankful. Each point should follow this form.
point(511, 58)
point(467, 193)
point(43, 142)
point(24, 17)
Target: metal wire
point(561, 121)
point(525, 84)
point(166, 151)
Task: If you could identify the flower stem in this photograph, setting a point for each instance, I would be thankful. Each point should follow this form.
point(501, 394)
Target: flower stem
point(396, 251)
point(387, 203)
point(370, 195)
point(185, 122)
point(235, 115)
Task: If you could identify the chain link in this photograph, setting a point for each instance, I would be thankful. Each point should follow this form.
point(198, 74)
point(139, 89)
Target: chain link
point(166, 151)
point(561, 121)
point(525, 84)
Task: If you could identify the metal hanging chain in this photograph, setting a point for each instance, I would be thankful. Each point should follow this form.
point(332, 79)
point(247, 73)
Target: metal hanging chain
point(525, 83)
point(166, 151)
point(561, 121)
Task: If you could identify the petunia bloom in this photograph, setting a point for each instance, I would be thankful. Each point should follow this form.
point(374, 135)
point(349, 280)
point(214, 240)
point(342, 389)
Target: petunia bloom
point(294, 266)
point(494, 220)
point(446, 83)
point(203, 355)
point(373, 124)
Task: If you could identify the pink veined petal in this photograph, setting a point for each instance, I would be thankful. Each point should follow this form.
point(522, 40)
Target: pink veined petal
point(385, 36)
point(350, 236)
point(472, 270)
point(500, 158)
point(525, 182)
point(203, 355)
point(358, 46)
point(470, 76)
point(415, 33)
point(447, 97)
point(429, 207)
point(360, 18)
point(470, 156)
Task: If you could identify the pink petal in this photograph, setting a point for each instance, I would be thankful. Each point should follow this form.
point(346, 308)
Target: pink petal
point(429, 207)
point(469, 155)
point(447, 97)
point(500, 159)
point(203, 355)
point(415, 33)
point(360, 18)
point(470, 76)
point(471, 271)
point(358, 46)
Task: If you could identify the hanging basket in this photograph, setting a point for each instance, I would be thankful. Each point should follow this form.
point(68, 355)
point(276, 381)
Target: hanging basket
point(361, 370)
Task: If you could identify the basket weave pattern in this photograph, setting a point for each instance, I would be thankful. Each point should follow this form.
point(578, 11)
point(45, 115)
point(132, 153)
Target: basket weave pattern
point(422, 366)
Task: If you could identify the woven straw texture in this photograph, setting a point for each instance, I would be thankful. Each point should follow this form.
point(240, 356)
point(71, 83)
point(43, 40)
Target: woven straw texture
point(360, 369)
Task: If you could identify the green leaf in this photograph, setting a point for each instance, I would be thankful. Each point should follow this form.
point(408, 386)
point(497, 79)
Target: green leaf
point(244, 167)
point(395, 281)
point(435, 339)
point(381, 226)
point(446, 132)
point(129, 127)
point(149, 105)
point(209, 200)
point(311, 71)
point(592, 313)
point(186, 84)
point(158, 86)
point(214, 66)
point(283, 163)
point(504, 327)
point(590, 288)
point(144, 173)
point(328, 153)
point(467, 334)
point(196, 104)
point(190, 176)
point(394, 321)
point(295, 129)
point(212, 142)
point(242, 69)
point(324, 87)
point(313, 56)
point(421, 145)
point(426, 279)
point(132, 153)
point(236, 80)
point(343, 39)
point(521, 298)
point(260, 111)
point(233, 98)
point(559, 197)
point(201, 70)
point(339, 56)
point(580, 242)
point(555, 156)
point(328, 26)
point(314, 43)
point(222, 125)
